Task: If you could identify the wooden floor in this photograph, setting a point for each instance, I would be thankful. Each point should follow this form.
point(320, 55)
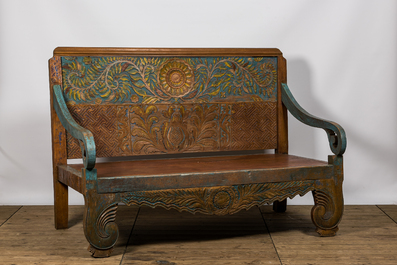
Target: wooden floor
point(368, 235)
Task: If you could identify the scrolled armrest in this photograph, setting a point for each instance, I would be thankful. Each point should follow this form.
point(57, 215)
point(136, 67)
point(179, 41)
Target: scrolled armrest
point(85, 137)
point(336, 134)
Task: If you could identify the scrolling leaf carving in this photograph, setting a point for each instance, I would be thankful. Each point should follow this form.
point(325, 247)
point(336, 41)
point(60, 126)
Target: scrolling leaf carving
point(219, 200)
point(150, 80)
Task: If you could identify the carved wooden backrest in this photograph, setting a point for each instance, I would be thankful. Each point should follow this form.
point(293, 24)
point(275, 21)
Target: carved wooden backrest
point(157, 101)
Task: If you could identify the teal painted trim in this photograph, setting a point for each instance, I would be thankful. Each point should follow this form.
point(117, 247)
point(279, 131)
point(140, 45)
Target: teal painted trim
point(78, 132)
point(90, 177)
point(336, 134)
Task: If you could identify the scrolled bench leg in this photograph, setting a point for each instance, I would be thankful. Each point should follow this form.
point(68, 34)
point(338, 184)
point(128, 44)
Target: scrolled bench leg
point(326, 213)
point(328, 198)
point(100, 228)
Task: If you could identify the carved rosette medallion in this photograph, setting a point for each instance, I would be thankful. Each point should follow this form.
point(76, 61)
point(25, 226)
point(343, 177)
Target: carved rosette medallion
point(176, 78)
point(222, 200)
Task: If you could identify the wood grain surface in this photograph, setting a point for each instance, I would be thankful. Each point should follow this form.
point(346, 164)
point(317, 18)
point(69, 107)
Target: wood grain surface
point(30, 238)
point(7, 212)
point(156, 174)
point(163, 167)
point(368, 235)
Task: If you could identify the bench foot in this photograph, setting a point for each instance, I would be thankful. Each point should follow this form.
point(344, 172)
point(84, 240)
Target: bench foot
point(280, 206)
point(327, 232)
point(99, 253)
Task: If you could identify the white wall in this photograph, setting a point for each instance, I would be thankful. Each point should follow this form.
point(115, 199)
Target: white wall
point(342, 67)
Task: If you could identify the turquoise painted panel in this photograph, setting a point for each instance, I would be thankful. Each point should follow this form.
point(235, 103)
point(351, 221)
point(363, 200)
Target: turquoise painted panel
point(149, 80)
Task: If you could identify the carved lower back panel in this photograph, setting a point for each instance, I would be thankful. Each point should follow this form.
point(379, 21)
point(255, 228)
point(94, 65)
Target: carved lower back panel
point(153, 105)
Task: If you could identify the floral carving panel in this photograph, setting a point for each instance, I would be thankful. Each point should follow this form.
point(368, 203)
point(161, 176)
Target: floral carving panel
point(123, 130)
point(148, 80)
point(174, 128)
point(150, 105)
point(200, 127)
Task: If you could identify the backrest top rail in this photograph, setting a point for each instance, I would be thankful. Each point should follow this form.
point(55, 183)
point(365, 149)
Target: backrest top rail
point(165, 52)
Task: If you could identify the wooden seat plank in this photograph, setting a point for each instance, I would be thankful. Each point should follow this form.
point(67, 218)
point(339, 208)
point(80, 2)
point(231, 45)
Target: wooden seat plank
point(155, 174)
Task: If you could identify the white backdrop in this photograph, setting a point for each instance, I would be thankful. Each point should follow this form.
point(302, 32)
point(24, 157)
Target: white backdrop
point(341, 66)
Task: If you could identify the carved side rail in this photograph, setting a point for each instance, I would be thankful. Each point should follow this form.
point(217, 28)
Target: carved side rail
point(84, 136)
point(220, 200)
point(336, 134)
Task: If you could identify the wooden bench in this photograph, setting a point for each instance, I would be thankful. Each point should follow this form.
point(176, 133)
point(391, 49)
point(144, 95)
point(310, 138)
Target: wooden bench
point(194, 124)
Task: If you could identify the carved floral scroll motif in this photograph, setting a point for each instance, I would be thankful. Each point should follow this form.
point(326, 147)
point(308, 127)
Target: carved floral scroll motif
point(175, 128)
point(147, 80)
point(144, 105)
point(122, 130)
point(219, 200)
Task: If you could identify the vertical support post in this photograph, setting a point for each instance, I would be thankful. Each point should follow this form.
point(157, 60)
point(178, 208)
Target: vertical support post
point(282, 112)
point(282, 124)
point(59, 155)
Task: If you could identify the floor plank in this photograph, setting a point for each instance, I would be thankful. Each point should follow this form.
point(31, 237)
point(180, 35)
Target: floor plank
point(366, 236)
point(6, 212)
point(170, 237)
point(390, 210)
point(29, 237)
